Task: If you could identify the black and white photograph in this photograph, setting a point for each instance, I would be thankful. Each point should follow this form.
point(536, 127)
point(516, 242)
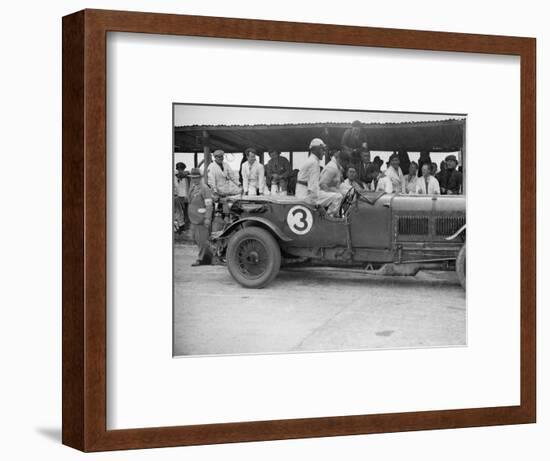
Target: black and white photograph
point(309, 230)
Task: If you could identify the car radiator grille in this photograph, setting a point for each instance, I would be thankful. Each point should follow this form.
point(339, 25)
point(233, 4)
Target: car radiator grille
point(413, 225)
point(448, 225)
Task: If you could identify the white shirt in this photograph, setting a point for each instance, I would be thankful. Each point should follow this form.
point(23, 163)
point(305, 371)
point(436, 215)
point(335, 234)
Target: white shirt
point(181, 186)
point(310, 173)
point(385, 185)
point(331, 176)
point(346, 186)
point(396, 177)
point(410, 184)
point(433, 186)
point(224, 181)
point(253, 176)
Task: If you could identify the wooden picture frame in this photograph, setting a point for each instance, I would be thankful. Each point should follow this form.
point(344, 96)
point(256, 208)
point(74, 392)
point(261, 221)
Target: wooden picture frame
point(85, 223)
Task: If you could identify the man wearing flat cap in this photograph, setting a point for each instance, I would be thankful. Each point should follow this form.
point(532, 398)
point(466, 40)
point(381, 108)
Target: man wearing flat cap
point(450, 180)
point(221, 177)
point(200, 215)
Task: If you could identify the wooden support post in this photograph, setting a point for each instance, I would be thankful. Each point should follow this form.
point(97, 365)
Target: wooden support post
point(195, 159)
point(291, 159)
point(207, 156)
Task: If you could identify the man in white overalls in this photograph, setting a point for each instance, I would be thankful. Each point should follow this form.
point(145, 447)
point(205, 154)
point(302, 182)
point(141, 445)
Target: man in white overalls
point(307, 184)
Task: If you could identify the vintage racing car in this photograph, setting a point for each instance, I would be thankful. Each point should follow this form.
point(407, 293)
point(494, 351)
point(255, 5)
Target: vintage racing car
point(388, 233)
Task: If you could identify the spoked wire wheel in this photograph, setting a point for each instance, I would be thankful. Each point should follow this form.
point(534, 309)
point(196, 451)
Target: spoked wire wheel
point(253, 257)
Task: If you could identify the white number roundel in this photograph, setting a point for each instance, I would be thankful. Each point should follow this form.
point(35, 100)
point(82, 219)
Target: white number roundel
point(299, 219)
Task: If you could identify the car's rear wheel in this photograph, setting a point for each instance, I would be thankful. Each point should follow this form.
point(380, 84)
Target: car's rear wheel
point(253, 257)
point(461, 266)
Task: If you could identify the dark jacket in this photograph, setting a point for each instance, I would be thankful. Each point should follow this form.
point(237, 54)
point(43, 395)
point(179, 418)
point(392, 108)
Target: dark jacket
point(353, 140)
point(279, 166)
point(450, 181)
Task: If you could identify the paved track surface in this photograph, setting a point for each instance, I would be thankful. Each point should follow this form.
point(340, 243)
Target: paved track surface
point(312, 310)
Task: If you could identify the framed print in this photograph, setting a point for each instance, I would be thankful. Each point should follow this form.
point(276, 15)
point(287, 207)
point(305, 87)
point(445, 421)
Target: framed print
point(264, 230)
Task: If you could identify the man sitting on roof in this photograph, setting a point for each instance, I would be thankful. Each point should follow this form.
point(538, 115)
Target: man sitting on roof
point(354, 141)
point(221, 178)
point(307, 184)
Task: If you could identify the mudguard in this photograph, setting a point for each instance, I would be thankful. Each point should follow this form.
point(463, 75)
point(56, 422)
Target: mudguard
point(253, 219)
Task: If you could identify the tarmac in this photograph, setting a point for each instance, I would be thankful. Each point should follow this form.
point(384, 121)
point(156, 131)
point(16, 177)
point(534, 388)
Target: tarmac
point(312, 309)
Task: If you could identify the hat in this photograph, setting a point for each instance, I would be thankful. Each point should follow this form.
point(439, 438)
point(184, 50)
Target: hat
point(250, 150)
point(392, 156)
point(195, 173)
point(218, 152)
point(315, 142)
point(451, 157)
point(180, 165)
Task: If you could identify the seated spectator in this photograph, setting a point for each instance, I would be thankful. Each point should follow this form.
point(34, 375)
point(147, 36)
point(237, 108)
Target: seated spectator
point(352, 180)
point(427, 184)
point(253, 174)
point(424, 158)
point(277, 173)
point(395, 174)
point(450, 179)
point(378, 180)
point(411, 178)
point(221, 178)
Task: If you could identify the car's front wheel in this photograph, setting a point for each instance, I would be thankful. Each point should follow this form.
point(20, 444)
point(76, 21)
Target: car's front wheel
point(253, 257)
point(461, 266)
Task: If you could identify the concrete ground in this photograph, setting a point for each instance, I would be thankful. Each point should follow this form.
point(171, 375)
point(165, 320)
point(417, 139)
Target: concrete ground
point(312, 309)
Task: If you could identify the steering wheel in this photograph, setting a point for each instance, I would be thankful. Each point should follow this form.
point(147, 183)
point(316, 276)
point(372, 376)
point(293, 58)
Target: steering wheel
point(347, 201)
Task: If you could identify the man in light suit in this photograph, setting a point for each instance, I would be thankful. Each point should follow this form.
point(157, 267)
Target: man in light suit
point(253, 174)
point(221, 178)
point(427, 184)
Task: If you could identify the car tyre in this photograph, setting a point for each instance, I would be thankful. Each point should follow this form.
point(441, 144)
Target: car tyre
point(461, 266)
point(253, 257)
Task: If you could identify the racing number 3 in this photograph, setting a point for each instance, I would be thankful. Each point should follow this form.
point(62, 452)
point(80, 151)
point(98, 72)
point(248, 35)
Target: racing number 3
point(299, 220)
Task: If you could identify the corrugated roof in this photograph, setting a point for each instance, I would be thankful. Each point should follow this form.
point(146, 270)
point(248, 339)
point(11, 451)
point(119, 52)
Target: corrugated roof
point(435, 136)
